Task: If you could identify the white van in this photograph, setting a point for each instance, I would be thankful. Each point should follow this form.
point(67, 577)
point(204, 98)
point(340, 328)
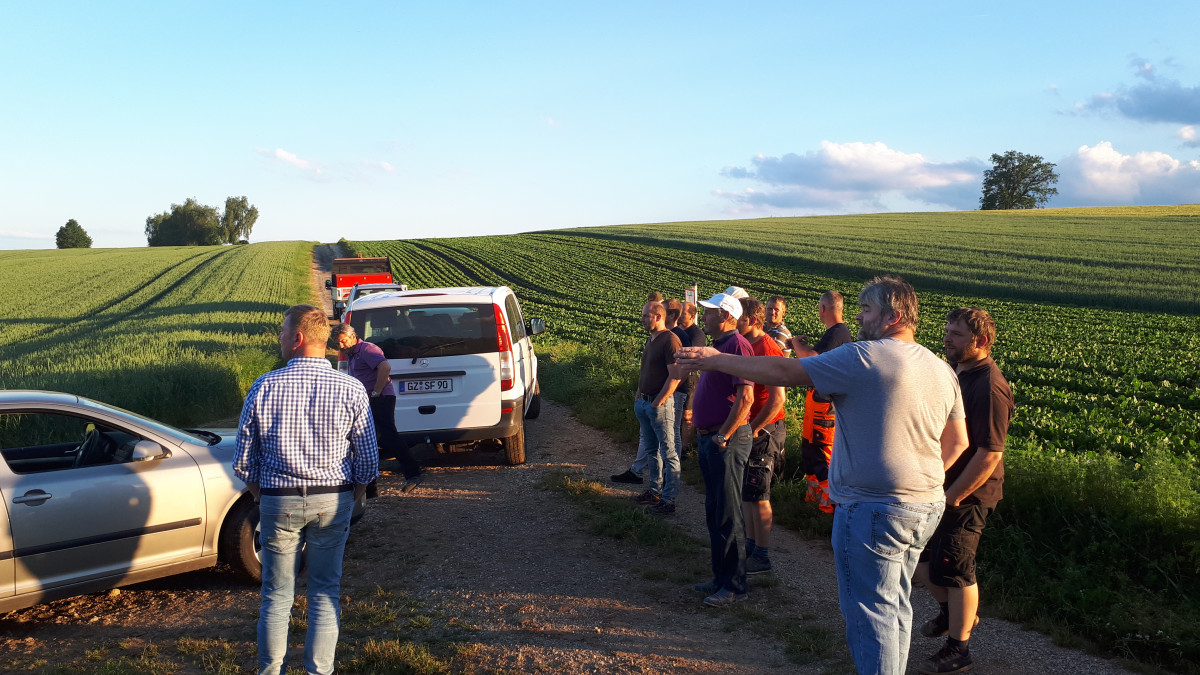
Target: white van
point(462, 363)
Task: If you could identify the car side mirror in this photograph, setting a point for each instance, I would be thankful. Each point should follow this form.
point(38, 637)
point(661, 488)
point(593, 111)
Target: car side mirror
point(328, 284)
point(144, 451)
point(537, 326)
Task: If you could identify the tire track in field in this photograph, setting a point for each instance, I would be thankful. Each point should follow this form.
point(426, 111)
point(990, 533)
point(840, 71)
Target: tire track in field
point(520, 282)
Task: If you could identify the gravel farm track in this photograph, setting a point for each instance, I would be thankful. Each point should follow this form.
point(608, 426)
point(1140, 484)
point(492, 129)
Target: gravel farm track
point(508, 569)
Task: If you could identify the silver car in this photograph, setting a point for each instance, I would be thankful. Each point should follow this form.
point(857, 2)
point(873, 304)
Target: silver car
point(96, 497)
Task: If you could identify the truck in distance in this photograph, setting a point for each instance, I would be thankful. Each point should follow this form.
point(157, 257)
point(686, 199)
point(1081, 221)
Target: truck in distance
point(347, 272)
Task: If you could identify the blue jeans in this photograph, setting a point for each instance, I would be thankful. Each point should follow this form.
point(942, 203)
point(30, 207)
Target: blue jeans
point(680, 403)
point(723, 470)
point(657, 427)
point(875, 548)
point(321, 524)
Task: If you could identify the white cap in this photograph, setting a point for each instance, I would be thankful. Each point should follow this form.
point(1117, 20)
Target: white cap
point(737, 292)
point(726, 302)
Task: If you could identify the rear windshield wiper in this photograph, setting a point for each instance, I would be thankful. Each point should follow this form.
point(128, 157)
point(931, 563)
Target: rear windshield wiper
point(434, 348)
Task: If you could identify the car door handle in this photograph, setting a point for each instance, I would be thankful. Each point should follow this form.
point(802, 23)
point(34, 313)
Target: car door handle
point(34, 497)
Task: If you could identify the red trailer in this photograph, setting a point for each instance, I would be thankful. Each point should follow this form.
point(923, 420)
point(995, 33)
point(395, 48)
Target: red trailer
point(350, 271)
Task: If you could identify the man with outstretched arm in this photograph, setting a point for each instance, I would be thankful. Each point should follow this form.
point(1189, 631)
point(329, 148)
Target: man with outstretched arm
point(901, 423)
point(306, 450)
point(973, 488)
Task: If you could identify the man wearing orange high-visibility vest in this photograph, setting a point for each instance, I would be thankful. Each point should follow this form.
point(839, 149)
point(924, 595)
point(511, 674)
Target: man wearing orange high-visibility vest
point(816, 445)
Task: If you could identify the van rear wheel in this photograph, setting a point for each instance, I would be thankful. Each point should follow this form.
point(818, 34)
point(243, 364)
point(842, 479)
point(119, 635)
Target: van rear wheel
point(514, 446)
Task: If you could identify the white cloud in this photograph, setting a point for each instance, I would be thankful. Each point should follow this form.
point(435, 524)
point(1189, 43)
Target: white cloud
point(386, 167)
point(856, 177)
point(1187, 134)
point(1101, 176)
point(20, 234)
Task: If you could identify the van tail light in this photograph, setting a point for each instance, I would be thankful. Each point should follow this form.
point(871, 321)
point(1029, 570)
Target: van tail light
point(346, 317)
point(504, 346)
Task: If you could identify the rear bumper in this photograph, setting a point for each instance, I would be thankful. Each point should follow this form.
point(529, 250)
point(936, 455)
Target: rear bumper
point(509, 424)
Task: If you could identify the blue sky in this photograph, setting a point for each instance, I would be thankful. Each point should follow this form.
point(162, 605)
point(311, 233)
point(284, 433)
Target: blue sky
point(379, 120)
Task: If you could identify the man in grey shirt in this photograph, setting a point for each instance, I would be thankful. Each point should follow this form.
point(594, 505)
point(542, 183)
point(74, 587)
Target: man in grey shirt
point(901, 423)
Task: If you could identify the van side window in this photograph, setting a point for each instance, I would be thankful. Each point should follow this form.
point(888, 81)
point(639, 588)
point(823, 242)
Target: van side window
point(516, 323)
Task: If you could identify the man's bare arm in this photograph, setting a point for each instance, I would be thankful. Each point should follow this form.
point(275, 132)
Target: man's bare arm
point(954, 441)
point(741, 408)
point(775, 399)
point(775, 371)
point(974, 475)
point(381, 376)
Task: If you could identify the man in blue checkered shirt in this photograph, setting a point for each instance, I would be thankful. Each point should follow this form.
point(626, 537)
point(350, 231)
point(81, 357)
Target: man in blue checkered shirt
point(306, 450)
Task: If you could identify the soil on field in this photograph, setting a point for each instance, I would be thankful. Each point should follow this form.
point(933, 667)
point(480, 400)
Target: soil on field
point(485, 570)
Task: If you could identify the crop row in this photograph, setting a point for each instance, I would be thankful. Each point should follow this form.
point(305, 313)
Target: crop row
point(1085, 378)
point(175, 333)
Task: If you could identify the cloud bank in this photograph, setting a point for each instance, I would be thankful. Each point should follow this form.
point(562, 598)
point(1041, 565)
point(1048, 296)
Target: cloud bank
point(1101, 176)
point(872, 178)
point(855, 178)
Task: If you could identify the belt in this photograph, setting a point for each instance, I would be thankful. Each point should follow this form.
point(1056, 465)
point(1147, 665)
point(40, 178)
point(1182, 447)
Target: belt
point(709, 430)
point(305, 490)
point(646, 397)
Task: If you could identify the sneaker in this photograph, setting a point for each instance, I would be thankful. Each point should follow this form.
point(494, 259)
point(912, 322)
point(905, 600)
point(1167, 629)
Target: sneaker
point(725, 598)
point(647, 498)
point(662, 508)
point(411, 484)
point(939, 625)
point(708, 587)
point(756, 565)
point(947, 660)
point(627, 477)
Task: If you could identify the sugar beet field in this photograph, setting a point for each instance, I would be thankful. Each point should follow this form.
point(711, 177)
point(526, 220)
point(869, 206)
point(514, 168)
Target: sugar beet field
point(1098, 538)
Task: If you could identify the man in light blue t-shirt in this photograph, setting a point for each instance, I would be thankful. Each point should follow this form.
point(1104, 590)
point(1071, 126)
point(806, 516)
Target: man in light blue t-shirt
point(900, 423)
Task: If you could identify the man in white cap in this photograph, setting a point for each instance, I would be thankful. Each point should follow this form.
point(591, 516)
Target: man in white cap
point(720, 411)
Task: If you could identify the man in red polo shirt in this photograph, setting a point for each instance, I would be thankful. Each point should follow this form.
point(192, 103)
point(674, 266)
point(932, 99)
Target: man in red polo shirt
point(766, 449)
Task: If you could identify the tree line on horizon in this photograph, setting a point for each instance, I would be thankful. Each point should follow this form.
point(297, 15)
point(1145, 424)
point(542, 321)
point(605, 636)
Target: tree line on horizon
point(194, 224)
point(1015, 181)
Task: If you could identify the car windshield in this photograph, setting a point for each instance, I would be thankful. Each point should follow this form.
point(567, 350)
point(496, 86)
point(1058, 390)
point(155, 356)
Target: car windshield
point(428, 330)
point(164, 429)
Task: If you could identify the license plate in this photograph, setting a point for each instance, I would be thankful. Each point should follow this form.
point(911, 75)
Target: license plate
point(426, 386)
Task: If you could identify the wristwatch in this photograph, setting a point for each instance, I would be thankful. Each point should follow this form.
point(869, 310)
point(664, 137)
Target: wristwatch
point(720, 439)
point(375, 394)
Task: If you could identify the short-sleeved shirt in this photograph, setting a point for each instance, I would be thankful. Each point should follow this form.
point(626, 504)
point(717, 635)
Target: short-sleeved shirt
point(988, 401)
point(685, 340)
point(835, 336)
point(658, 353)
point(716, 392)
point(696, 335)
point(780, 334)
point(364, 359)
point(892, 401)
point(764, 347)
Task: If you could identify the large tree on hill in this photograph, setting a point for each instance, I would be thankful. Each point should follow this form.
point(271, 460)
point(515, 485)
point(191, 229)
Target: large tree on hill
point(238, 219)
point(72, 235)
point(187, 224)
point(1017, 181)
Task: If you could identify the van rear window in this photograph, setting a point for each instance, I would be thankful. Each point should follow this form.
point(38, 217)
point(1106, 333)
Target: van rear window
point(428, 330)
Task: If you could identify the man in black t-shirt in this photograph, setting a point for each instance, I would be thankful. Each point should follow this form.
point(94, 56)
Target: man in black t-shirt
point(973, 487)
point(816, 438)
point(654, 407)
